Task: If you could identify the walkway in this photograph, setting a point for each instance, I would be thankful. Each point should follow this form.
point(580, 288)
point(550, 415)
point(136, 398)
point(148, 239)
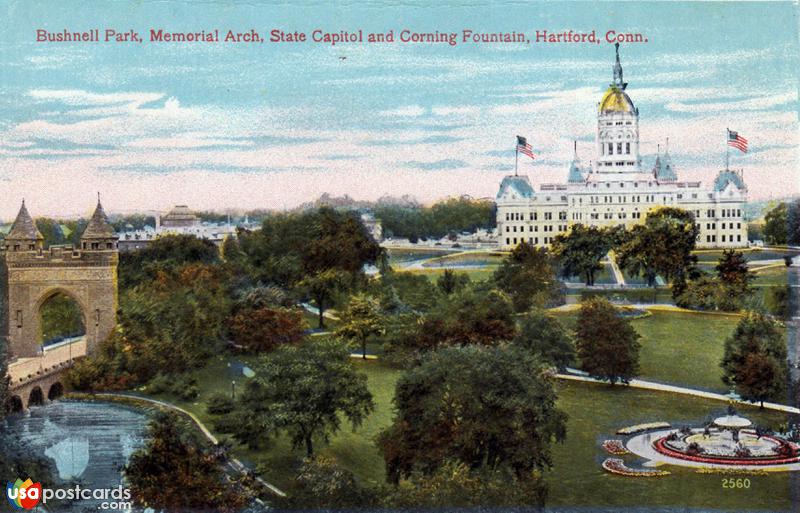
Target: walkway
point(234, 463)
point(661, 387)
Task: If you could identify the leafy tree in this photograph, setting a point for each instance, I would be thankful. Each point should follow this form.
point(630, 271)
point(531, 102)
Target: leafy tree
point(580, 251)
point(469, 317)
point(775, 224)
point(4, 379)
point(51, 231)
point(322, 288)
point(528, 276)
point(261, 296)
point(323, 484)
point(164, 254)
point(451, 215)
point(755, 359)
point(733, 272)
point(779, 301)
point(484, 407)
point(704, 293)
point(172, 473)
point(456, 485)
point(451, 281)
point(361, 320)
point(264, 329)
point(607, 345)
point(545, 337)
point(309, 389)
point(663, 246)
point(291, 246)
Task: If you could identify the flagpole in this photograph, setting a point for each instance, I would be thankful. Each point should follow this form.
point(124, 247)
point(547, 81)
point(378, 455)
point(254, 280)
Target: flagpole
point(516, 158)
point(727, 148)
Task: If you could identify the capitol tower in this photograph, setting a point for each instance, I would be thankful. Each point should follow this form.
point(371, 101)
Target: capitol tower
point(618, 188)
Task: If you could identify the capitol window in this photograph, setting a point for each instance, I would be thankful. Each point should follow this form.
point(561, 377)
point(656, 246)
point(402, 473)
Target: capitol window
point(628, 148)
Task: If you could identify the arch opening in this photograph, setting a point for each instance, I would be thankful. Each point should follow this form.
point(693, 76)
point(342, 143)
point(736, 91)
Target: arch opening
point(56, 391)
point(36, 398)
point(14, 404)
point(60, 318)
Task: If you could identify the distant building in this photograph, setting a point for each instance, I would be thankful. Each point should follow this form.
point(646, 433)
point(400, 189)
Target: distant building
point(178, 221)
point(373, 226)
point(617, 190)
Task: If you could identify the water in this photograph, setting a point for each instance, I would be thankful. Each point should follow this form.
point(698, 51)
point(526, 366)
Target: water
point(88, 442)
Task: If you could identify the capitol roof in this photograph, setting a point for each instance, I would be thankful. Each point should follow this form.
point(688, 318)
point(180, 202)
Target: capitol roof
point(616, 100)
point(519, 184)
point(726, 177)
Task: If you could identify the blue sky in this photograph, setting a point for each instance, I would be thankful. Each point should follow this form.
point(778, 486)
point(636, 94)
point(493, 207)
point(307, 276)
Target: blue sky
point(272, 125)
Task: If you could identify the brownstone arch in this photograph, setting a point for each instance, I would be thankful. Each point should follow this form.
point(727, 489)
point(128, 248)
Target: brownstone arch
point(87, 274)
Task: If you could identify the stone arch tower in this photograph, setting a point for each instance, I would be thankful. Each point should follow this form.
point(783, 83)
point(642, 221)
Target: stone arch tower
point(87, 274)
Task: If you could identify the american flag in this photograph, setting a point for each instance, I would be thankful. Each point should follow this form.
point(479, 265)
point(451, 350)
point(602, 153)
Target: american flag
point(523, 147)
point(737, 141)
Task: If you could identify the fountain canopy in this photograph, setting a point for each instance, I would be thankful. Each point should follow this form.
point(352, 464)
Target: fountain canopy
point(732, 422)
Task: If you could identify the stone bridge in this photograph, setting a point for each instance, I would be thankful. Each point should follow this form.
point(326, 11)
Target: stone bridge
point(38, 378)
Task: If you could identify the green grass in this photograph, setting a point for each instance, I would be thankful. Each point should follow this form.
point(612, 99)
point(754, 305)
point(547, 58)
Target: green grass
point(597, 411)
point(398, 256)
point(713, 256)
point(679, 348)
point(480, 274)
point(603, 277)
point(476, 258)
point(772, 276)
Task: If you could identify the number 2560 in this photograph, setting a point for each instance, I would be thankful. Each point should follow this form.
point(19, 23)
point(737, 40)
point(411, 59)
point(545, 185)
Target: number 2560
point(735, 483)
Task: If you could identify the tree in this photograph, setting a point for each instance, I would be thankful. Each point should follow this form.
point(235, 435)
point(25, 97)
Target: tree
point(485, 407)
point(544, 337)
point(164, 254)
point(455, 485)
point(361, 320)
point(309, 389)
point(607, 345)
point(264, 329)
point(172, 473)
point(761, 378)
point(473, 316)
point(4, 378)
point(662, 246)
point(754, 361)
point(451, 281)
point(733, 272)
point(775, 224)
point(51, 231)
point(323, 484)
point(580, 251)
point(528, 276)
point(322, 288)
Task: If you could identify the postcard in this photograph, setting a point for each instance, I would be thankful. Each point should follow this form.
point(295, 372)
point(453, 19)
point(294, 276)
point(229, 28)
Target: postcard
point(381, 256)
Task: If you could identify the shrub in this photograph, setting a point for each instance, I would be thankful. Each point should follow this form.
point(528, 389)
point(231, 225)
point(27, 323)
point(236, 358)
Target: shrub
point(219, 404)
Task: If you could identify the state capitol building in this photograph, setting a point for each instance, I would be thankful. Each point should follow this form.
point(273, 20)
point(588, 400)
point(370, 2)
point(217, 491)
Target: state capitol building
point(616, 190)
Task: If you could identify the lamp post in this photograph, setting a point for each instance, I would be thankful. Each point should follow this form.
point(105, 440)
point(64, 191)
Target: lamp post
point(233, 390)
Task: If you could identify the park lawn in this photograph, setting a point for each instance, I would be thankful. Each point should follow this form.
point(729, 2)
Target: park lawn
point(679, 348)
point(472, 258)
point(772, 275)
point(597, 411)
point(403, 255)
point(751, 255)
point(479, 274)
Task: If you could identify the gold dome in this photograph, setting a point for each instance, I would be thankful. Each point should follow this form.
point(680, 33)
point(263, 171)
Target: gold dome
point(615, 100)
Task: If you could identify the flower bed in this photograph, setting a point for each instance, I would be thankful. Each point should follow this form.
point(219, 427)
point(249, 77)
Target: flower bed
point(732, 471)
point(615, 447)
point(617, 466)
point(639, 428)
point(662, 447)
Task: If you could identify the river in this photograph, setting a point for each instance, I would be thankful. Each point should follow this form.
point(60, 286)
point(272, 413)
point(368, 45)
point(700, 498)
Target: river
point(89, 443)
